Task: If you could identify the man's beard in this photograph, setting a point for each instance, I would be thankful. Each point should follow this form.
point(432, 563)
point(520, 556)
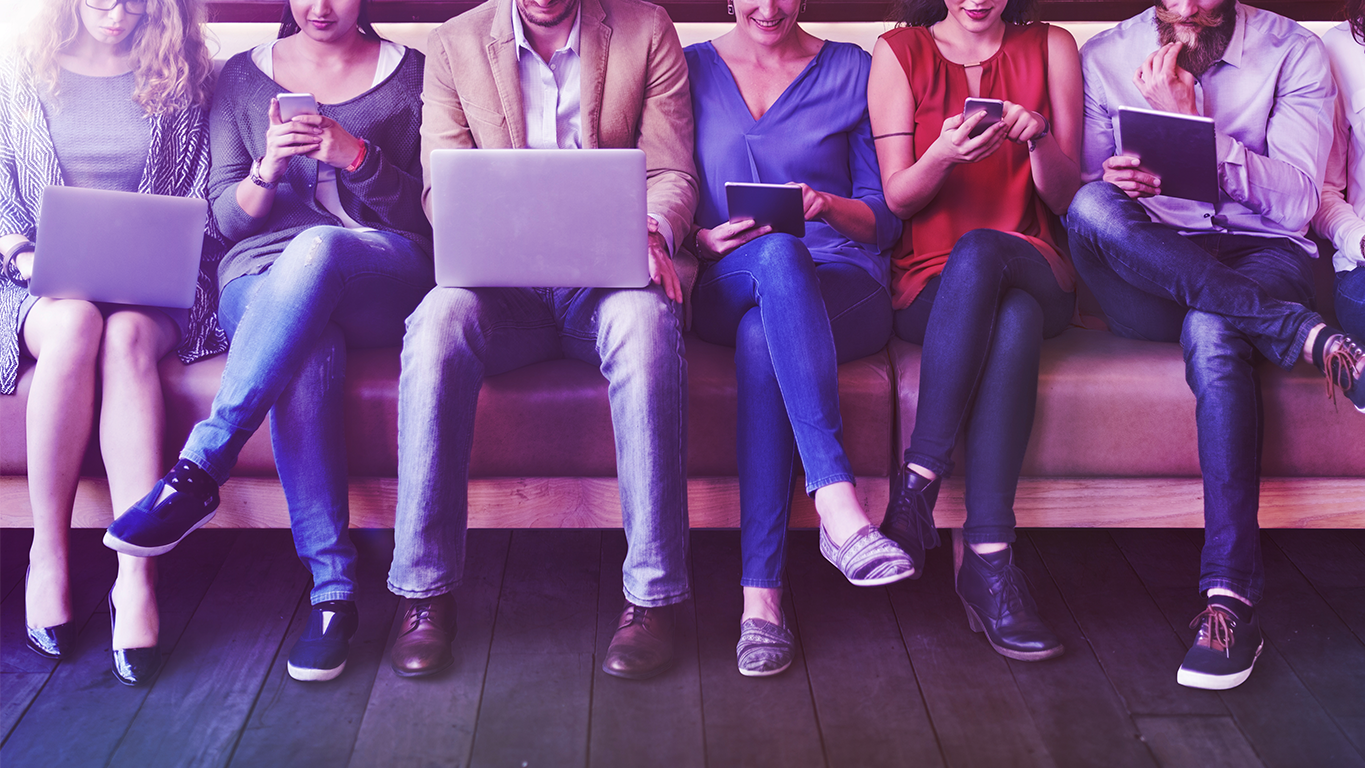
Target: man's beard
point(1205, 41)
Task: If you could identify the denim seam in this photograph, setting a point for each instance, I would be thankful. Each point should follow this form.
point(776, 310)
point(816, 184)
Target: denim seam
point(659, 602)
point(814, 485)
point(334, 594)
point(761, 583)
point(1241, 588)
point(422, 594)
point(860, 302)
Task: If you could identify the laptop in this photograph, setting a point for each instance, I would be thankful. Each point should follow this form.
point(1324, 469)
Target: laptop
point(539, 218)
point(118, 247)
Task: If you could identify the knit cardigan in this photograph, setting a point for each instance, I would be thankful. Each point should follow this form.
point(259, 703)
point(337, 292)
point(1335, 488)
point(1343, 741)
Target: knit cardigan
point(384, 193)
point(177, 164)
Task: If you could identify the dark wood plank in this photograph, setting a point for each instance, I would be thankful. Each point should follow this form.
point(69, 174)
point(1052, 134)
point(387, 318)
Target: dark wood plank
point(430, 720)
point(1135, 644)
point(14, 546)
point(538, 691)
point(83, 707)
point(637, 723)
point(1208, 742)
point(751, 722)
point(1323, 652)
point(866, 695)
point(978, 711)
point(92, 574)
point(315, 724)
point(200, 702)
point(1083, 722)
point(1276, 712)
point(1356, 536)
point(1335, 568)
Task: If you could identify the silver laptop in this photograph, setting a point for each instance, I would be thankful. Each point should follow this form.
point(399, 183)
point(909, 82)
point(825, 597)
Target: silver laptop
point(118, 247)
point(545, 218)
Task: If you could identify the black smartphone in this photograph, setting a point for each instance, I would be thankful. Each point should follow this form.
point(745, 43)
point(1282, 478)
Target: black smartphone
point(994, 109)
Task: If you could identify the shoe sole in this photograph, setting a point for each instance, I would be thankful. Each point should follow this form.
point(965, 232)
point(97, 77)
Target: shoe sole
point(119, 545)
point(642, 675)
point(309, 675)
point(976, 625)
point(892, 579)
point(1191, 679)
point(422, 672)
point(764, 673)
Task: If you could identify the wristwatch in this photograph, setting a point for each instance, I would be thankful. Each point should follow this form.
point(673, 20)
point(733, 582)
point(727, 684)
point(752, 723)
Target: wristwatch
point(259, 180)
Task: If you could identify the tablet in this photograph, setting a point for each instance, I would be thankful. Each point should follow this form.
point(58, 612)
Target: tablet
point(775, 205)
point(1178, 149)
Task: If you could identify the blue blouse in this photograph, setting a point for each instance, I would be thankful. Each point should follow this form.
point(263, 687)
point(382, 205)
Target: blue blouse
point(817, 132)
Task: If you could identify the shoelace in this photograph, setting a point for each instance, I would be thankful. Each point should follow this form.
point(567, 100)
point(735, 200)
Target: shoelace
point(1339, 366)
point(1014, 590)
point(637, 616)
point(1215, 628)
point(420, 612)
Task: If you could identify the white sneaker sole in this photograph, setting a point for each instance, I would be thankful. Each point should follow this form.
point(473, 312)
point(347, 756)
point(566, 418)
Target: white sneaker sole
point(1191, 679)
point(119, 545)
point(764, 673)
point(307, 675)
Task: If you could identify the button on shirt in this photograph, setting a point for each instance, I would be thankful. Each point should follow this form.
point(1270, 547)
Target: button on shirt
point(551, 96)
point(1271, 104)
point(1342, 219)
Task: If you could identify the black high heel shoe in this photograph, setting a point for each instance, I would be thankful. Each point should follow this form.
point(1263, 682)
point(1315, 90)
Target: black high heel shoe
point(133, 666)
point(49, 642)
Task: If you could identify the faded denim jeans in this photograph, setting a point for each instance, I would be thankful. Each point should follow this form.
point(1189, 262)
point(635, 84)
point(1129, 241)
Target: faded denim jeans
point(458, 336)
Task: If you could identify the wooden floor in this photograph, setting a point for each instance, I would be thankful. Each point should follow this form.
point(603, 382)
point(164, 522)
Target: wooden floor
point(885, 676)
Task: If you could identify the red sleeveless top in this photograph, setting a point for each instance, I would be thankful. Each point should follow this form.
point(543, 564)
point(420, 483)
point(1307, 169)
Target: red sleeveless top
point(995, 193)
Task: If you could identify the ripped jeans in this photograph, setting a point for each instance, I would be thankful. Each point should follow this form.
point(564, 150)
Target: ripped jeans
point(331, 288)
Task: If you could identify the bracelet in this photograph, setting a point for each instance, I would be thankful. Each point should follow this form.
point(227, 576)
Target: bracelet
point(360, 157)
point(13, 253)
point(1047, 129)
point(258, 179)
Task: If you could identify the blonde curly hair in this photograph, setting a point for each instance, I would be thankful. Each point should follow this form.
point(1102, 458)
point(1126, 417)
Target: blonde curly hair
point(171, 63)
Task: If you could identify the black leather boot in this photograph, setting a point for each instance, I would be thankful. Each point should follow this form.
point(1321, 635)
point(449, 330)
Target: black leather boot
point(995, 594)
point(909, 519)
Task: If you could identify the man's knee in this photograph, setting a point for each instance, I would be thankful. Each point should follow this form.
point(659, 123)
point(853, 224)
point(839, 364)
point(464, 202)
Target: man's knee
point(1213, 348)
point(1094, 205)
point(443, 325)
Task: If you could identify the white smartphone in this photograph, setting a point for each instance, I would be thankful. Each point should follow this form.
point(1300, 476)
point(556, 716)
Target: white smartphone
point(994, 109)
point(294, 104)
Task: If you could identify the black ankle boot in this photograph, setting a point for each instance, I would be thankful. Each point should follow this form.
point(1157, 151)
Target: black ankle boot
point(996, 597)
point(909, 519)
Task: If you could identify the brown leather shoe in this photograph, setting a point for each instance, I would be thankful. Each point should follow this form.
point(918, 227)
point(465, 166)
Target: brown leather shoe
point(423, 644)
point(643, 644)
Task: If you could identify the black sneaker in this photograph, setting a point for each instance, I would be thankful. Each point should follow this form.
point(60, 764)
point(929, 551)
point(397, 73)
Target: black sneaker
point(150, 528)
point(1225, 650)
point(320, 654)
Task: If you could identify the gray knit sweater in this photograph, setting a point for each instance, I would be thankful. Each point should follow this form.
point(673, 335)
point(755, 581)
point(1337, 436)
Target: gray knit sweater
point(385, 192)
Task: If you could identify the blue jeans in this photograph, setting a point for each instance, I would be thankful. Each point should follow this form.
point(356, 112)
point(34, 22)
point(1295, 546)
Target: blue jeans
point(1229, 299)
point(982, 322)
point(458, 336)
point(290, 326)
point(1350, 301)
point(791, 322)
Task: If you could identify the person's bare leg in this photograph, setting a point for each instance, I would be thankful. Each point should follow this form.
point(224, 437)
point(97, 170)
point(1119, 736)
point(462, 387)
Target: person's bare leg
point(763, 603)
point(841, 514)
point(64, 337)
point(132, 420)
point(1308, 355)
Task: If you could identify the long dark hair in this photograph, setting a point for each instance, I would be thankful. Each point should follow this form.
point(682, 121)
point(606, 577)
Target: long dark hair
point(1355, 14)
point(922, 13)
point(289, 27)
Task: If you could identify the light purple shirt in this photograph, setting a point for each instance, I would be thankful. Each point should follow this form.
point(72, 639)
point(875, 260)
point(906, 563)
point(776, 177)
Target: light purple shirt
point(1270, 97)
point(551, 97)
point(1342, 216)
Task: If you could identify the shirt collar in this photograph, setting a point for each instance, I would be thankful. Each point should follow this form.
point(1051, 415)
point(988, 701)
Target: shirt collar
point(519, 32)
point(1233, 53)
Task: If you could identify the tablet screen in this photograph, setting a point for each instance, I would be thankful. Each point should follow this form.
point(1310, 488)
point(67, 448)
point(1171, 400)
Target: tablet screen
point(775, 205)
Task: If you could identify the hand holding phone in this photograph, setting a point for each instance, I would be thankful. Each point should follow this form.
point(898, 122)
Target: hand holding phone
point(994, 109)
point(294, 104)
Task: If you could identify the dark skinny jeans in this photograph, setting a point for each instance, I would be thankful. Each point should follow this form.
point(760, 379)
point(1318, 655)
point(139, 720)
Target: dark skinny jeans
point(982, 322)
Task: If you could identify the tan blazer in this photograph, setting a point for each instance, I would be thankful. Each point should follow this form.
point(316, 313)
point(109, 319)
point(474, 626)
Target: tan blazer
point(634, 92)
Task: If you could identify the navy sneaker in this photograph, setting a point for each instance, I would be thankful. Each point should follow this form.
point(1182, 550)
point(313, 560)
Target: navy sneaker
point(1226, 648)
point(1340, 365)
point(150, 528)
point(320, 653)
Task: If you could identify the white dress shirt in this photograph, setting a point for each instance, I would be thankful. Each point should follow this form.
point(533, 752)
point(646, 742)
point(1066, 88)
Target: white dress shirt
point(1271, 103)
point(551, 97)
point(1338, 220)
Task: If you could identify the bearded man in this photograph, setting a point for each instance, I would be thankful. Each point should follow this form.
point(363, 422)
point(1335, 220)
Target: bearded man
point(1230, 281)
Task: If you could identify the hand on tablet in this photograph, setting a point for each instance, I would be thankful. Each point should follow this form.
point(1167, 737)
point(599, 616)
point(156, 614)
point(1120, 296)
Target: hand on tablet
point(813, 203)
point(1164, 83)
point(728, 236)
point(661, 271)
point(1122, 171)
point(955, 142)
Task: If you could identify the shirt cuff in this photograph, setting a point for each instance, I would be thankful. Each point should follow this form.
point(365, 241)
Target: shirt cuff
point(666, 231)
point(1349, 242)
point(1232, 172)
